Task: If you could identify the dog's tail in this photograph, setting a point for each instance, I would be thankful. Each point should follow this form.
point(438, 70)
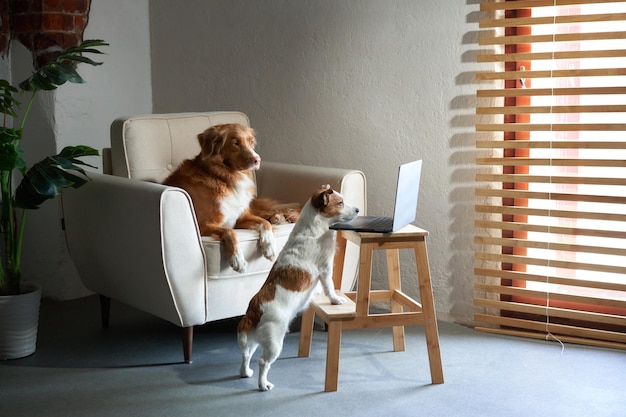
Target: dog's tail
point(245, 326)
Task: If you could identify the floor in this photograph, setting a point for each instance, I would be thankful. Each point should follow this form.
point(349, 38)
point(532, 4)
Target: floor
point(134, 369)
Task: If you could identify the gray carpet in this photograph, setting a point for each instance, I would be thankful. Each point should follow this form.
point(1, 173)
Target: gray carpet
point(134, 369)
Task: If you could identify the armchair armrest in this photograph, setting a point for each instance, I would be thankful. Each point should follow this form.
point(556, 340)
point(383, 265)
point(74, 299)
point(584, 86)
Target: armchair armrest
point(115, 230)
point(295, 183)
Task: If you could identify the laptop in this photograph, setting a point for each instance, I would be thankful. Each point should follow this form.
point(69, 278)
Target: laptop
point(405, 206)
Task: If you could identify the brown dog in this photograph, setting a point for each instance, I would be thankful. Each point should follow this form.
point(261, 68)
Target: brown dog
point(220, 183)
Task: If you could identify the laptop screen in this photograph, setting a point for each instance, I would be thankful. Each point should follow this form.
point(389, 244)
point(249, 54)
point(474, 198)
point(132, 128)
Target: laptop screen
point(407, 192)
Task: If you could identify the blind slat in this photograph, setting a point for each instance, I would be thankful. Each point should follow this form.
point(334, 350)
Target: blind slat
point(566, 247)
point(614, 108)
point(557, 144)
point(591, 302)
point(568, 91)
point(526, 293)
point(525, 260)
point(554, 312)
point(545, 179)
point(570, 298)
point(574, 231)
point(515, 75)
point(539, 195)
point(525, 4)
point(561, 162)
point(528, 56)
point(529, 211)
point(524, 276)
point(543, 336)
point(548, 20)
point(556, 329)
point(558, 37)
point(556, 127)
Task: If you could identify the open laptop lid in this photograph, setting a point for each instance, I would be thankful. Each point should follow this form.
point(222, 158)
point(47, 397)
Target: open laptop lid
point(407, 192)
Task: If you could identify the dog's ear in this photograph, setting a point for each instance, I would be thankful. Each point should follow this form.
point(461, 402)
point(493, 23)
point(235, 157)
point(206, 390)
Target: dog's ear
point(212, 140)
point(321, 198)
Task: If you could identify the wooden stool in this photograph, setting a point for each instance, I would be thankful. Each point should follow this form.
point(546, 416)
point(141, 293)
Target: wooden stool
point(403, 309)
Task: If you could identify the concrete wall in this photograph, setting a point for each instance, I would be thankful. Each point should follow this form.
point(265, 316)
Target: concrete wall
point(365, 84)
point(5, 69)
point(82, 114)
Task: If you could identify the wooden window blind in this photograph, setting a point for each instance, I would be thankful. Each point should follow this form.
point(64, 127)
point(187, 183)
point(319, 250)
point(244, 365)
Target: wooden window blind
point(550, 239)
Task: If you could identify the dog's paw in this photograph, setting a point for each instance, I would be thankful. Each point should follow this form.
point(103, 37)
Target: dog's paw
point(265, 385)
point(238, 263)
point(246, 371)
point(268, 245)
point(277, 218)
point(336, 300)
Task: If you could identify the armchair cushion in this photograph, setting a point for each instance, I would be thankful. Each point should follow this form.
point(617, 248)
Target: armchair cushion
point(216, 263)
point(150, 147)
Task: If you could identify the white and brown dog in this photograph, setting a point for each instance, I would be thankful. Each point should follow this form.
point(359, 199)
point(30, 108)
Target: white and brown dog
point(305, 261)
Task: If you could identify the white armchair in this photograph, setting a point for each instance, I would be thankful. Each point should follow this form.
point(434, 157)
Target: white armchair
point(137, 241)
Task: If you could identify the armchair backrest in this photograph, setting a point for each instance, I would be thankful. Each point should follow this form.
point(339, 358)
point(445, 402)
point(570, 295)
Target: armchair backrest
point(149, 147)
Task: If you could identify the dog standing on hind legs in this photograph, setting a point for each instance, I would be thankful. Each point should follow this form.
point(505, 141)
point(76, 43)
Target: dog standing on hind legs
point(305, 261)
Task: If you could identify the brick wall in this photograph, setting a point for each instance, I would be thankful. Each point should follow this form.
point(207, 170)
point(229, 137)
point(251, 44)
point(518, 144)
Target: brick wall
point(5, 27)
point(43, 26)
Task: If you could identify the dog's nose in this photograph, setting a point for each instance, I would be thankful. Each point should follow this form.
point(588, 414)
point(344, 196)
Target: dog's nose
point(356, 209)
point(255, 160)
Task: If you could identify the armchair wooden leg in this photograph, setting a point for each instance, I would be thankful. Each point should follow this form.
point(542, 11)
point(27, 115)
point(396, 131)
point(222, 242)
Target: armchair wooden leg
point(187, 334)
point(105, 311)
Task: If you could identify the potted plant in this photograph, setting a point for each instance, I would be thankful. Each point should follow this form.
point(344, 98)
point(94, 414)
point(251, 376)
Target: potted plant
point(42, 181)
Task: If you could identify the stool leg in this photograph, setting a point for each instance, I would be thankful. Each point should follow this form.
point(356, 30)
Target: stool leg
point(306, 332)
point(428, 308)
point(364, 283)
point(332, 356)
point(393, 274)
point(339, 260)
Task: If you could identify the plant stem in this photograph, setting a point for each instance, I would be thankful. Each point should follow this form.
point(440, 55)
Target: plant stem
point(18, 244)
point(30, 103)
point(7, 224)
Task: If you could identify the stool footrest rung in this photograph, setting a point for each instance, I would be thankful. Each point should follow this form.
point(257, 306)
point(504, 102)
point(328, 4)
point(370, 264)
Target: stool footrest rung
point(372, 321)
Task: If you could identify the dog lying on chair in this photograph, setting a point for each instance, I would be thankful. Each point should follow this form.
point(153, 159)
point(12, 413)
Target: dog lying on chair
point(305, 261)
point(220, 183)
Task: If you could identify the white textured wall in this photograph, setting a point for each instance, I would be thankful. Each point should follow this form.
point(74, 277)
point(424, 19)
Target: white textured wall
point(365, 84)
point(82, 114)
point(5, 69)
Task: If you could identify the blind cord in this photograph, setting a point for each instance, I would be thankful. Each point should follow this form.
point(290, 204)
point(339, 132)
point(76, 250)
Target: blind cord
point(549, 334)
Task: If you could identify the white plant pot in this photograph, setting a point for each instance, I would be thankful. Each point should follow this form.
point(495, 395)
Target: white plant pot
point(19, 319)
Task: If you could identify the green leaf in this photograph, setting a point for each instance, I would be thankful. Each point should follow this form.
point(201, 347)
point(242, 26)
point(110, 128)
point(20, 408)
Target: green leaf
point(37, 82)
point(74, 180)
point(46, 178)
point(61, 69)
point(7, 102)
point(8, 134)
point(78, 151)
point(69, 74)
point(10, 151)
point(83, 59)
point(53, 74)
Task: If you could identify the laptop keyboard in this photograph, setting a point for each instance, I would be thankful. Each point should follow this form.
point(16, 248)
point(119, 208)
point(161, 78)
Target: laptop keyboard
point(381, 223)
